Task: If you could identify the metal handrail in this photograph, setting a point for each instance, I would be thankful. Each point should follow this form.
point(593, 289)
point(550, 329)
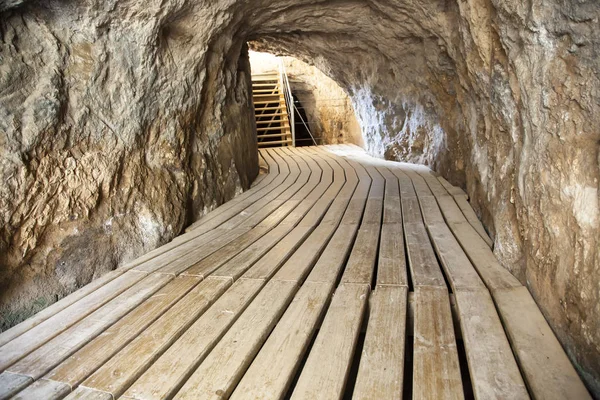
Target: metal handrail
point(306, 126)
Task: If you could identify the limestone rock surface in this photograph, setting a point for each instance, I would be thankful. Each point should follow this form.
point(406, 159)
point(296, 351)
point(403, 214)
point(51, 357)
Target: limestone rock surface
point(118, 127)
point(122, 120)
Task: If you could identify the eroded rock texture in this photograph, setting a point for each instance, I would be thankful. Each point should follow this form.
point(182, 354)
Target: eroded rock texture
point(119, 125)
point(329, 111)
point(129, 109)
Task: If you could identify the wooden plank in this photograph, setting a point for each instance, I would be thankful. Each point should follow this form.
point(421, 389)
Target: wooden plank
point(274, 367)
point(450, 209)
point(435, 187)
point(492, 273)
point(361, 265)
point(44, 389)
point(453, 190)
point(456, 264)
point(546, 368)
point(235, 215)
point(193, 264)
point(84, 393)
point(391, 267)
point(392, 209)
point(60, 305)
point(431, 211)
point(84, 362)
point(470, 215)
point(10, 384)
point(492, 366)
point(238, 265)
point(60, 347)
point(436, 372)
point(249, 196)
point(461, 200)
point(168, 373)
point(411, 211)
point(125, 367)
point(222, 369)
point(46, 330)
point(424, 267)
point(288, 217)
point(326, 370)
point(331, 261)
point(267, 265)
point(381, 369)
point(272, 142)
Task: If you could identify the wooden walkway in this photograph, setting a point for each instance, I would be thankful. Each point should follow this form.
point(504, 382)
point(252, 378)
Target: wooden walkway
point(335, 276)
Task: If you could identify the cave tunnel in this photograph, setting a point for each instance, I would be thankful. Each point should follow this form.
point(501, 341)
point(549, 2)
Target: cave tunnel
point(135, 180)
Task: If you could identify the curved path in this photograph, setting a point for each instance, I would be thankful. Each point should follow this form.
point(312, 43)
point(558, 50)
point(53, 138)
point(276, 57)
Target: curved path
point(336, 275)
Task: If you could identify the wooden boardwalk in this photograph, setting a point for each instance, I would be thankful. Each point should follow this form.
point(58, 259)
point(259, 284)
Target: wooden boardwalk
point(336, 275)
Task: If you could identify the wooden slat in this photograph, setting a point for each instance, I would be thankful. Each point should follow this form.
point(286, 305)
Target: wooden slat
point(436, 373)
point(274, 142)
point(218, 374)
point(10, 384)
point(250, 195)
point(381, 369)
point(322, 211)
point(124, 368)
point(453, 190)
point(285, 178)
point(60, 305)
point(46, 330)
point(54, 351)
point(458, 268)
point(547, 370)
point(470, 215)
point(424, 267)
point(44, 389)
point(492, 366)
point(280, 127)
point(326, 370)
point(493, 274)
point(239, 264)
point(361, 266)
point(168, 373)
point(85, 361)
point(273, 369)
point(331, 262)
point(288, 217)
point(83, 393)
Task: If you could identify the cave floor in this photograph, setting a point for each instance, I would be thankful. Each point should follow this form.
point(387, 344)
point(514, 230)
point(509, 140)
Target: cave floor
point(336, 275)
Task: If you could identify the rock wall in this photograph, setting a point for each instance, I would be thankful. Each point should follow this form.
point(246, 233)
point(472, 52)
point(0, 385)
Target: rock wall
point(501, 97)
point(118, 127)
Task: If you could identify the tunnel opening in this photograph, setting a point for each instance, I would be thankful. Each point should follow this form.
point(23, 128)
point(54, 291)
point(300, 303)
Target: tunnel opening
point(296, 104)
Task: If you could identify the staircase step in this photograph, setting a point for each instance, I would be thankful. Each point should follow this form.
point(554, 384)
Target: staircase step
point(264, 78)
point(264, 84)
point(274, 121)
point(262, 144)
point(268, 95)
point(283, 108)
point(270, 102)
point(273, 128)
point(260, 91)
point(272, 135)
point(270, 115)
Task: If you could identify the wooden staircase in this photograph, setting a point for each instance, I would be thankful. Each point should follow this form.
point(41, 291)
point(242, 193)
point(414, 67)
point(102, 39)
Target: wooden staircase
point(270, 110)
